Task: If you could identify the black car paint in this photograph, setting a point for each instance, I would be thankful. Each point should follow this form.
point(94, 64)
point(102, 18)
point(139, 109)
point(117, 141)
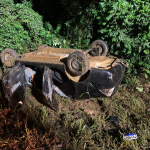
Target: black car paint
point(91, 86)
point(97, 80)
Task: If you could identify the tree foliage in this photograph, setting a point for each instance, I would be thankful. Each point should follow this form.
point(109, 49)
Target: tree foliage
point(21, 28)
point(123, 24)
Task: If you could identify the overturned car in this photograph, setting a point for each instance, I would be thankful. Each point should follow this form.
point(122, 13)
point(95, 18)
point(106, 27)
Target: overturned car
point(73, 73)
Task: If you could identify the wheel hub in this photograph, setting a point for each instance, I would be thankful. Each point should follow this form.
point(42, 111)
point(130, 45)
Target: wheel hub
point(76, 64)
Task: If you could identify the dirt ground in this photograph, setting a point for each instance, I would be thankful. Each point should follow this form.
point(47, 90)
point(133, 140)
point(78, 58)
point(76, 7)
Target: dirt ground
point(79, 124)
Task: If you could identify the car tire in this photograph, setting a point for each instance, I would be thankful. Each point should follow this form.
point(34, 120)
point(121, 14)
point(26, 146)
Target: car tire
point(6, 54)
point(100, 44)
point(42, 47)
point(77, 63)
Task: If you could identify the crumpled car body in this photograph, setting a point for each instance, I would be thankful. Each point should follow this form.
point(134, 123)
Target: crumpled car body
point(46, 70)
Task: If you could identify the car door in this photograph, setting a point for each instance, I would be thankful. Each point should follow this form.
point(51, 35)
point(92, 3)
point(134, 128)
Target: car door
point(12, 81)
point(48, 89)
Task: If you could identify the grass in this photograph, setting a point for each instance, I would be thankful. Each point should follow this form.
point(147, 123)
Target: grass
point(80, 125)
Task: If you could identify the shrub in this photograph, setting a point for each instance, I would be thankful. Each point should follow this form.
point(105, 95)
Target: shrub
point(125, 25)
point(21, 28)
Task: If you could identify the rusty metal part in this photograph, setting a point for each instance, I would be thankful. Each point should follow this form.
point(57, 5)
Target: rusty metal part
point(102, 62)
point(42, 46)
point(50, 55)
point(102, 78)
point(75, 79)
point(77, 63)
point(99, 62)
point(40, 58)
point(8, 57)
point(56, 55)
point(99, 48)
point(57, 51)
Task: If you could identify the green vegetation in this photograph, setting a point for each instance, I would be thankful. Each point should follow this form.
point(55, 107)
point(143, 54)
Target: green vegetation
point(79, 124)
point(124, 25)
point(22, 28)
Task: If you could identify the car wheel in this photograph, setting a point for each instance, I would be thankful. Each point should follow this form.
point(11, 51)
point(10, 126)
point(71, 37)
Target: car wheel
point(42, 46)
point(100, 48)
point(77, 63)
point(8, 57)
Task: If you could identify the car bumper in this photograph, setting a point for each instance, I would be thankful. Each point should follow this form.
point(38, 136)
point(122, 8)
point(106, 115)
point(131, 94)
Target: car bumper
point(100, 82)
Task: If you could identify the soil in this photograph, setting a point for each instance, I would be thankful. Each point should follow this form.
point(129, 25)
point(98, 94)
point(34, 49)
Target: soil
point(34, 125)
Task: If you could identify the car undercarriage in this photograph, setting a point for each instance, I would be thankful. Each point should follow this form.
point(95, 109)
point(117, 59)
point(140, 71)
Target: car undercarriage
point(73, 73)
